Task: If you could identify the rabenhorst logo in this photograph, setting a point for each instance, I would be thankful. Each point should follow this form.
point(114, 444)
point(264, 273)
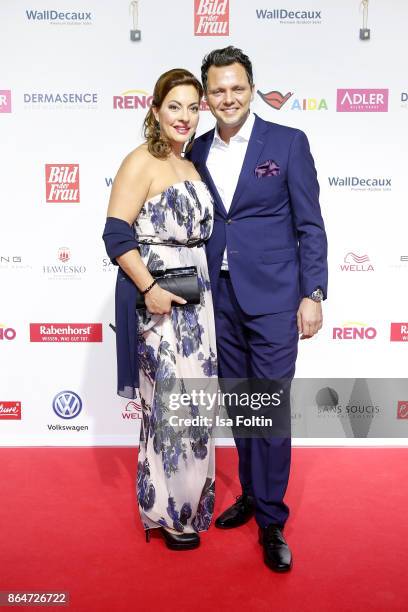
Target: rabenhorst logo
point(62, 183)
point(402, 410)
point(211, 17)
point(5, 101)
point(298, 17)
point(362, 100)
point(356, 263)
point(65, 332)
point(60, 100)
point(133, 99)
point(399, 332)
point(73, 271)
point(7, 333)
point(10, 410)
point(276, 99)
point(358, 183)
point(61, 17)
point(354, 331)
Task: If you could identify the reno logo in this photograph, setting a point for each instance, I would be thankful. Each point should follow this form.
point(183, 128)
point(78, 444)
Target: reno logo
point(356, 263)
point(133, 99)
point(362, 100)
point(354, 331)
point(211, 17)
point(62, 183)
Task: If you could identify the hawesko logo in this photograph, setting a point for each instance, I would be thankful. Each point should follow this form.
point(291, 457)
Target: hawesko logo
point(354, 331)
point(10, 410)
point(211, 17)
point(62, 183)
point(65, 332)
point(60, 17)
point(67, 404)
point(64, 254)
point(64, 272)
point(7, 333)
point(5, 101)
point(133, 99)
point(356, 263)
point(402, 410)
point(399, 332)
point(362, 100)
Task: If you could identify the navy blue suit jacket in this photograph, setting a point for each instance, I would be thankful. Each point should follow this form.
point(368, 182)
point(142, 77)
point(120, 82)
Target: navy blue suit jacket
point(274, 231)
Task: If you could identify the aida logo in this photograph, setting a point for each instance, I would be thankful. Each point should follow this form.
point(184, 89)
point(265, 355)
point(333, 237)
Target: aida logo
point(5, 101)
point(10, 410)
point(362, 100)
point(62, 183)
point(399, 332)
point(277, 100)
point(356, 263)
point(133, 99)
point(211, 17)
point(352, 330)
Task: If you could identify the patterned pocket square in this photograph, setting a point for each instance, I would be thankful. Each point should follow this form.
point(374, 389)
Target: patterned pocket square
point(267, 168)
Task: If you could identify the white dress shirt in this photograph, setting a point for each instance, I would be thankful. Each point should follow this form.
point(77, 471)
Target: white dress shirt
point(224, 163)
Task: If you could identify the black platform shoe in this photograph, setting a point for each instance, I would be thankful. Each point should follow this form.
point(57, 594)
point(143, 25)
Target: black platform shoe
point(238, 514)
point(177, 541)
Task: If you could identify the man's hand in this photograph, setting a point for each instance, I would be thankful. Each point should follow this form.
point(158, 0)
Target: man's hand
point(309, 318)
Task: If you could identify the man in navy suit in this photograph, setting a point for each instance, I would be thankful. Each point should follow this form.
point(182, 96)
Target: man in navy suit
point(267, 259)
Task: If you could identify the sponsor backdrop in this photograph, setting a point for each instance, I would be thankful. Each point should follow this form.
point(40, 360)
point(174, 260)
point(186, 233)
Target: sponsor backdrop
point(75, 84)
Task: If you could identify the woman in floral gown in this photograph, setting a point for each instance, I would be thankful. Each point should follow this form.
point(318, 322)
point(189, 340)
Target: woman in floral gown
point(159, 216)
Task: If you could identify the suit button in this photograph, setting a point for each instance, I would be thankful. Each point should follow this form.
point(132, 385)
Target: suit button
point(229, 221)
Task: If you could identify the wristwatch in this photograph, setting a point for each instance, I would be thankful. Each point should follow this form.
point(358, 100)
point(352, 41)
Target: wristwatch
point(316, 295)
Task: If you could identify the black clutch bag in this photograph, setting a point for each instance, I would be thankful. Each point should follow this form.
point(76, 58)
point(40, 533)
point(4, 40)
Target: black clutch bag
point(180, 281)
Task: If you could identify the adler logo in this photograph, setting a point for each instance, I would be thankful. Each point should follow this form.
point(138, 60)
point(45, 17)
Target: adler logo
point(354, 331)
point(362, 100)
point(62, 183)
point(211, 17)
point(5, 101)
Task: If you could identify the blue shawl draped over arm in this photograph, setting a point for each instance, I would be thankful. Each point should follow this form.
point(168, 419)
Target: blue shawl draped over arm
point(120, 238)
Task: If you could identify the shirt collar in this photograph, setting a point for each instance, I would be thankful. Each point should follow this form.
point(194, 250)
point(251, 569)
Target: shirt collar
point(243, 135)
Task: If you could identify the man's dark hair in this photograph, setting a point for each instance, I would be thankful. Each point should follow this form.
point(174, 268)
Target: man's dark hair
point(226, 57)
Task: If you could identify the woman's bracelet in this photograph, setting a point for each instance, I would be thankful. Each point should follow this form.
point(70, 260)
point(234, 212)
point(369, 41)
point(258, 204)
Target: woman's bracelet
point(149, 287)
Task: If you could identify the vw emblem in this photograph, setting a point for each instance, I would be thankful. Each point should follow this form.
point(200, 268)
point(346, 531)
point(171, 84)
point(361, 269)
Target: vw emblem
point(67, 404)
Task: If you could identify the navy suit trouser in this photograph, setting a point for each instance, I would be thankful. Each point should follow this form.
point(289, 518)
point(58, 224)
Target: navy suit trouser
point(263, 347)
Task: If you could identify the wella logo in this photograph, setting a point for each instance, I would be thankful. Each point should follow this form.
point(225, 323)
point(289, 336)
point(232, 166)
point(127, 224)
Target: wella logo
point(356, 263)
point(133, 99)
point(211, 17)
point(362, 100)
point(399, 332)
point(352, 330)
point(133, 410)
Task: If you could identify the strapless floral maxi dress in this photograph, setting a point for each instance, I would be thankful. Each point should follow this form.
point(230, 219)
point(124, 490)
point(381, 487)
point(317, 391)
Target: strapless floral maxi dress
point(176, 468)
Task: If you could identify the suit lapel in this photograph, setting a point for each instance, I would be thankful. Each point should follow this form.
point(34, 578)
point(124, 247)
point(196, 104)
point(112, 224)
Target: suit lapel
point(202, 155)
point(255, 145)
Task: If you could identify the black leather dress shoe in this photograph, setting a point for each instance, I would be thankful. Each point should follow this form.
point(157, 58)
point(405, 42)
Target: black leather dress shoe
point(277, 553)
point(238, 514)
point(177, 541)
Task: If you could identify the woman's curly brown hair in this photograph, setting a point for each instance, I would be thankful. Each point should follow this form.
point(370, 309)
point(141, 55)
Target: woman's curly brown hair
point(158, 146)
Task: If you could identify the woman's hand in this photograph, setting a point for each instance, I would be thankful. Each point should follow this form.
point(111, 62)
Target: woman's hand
point(158, 300)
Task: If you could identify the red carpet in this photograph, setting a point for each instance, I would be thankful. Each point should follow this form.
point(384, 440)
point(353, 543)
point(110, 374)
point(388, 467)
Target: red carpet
point(69, 522)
